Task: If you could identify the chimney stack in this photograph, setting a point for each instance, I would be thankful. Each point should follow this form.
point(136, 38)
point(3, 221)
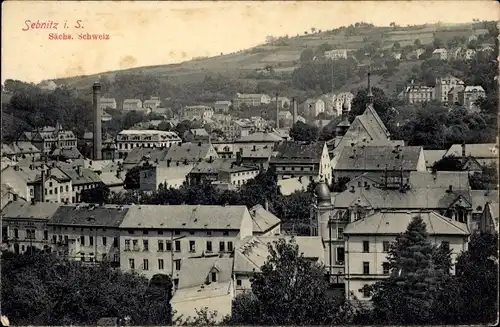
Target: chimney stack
point(370, 94)
point(42, 193)
point(97, 137)
point(464, 154)
point(294, 102)
point(277, 112)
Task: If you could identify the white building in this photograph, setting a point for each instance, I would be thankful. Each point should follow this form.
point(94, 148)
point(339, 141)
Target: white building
point(107, 103)
point(444, 85)
point(336, 54)
point(132, 104)
point(251, 100)
point(129, 139)
point(313, 107)
point(152, 177)
point(197, 112)
point(441, 54)
point(152, 103)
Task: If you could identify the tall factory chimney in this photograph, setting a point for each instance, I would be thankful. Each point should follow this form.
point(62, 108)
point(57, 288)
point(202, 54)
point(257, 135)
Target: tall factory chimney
point(277, 112)
point(294, 102)
point(96, 107)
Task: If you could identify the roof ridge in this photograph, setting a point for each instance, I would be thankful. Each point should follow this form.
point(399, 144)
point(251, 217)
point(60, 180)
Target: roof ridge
point(449, 221)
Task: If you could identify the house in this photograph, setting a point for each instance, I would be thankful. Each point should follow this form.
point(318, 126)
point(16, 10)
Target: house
point(49, 138)
point(415, 54)
point(336, 54)
point(256, 156)
point(237, 175)
point(251, 100)
point(151, 177)
point(453, 94)
point(242, 127)
point(310, 160)
point(127, 140)
point(479, 199)
point(222, 106)
point(475, 156)
point(204, 282)
point(87, 233)
point(469, 96)
point(65, 154)
point(253, 252)
point(264, 222)
point(105, 117)
point(224, 148)
point(139, 156)
point(340, 99)
point(330, 103)
point(107, 103)
point(283, 102)
point(313, 107)
point(259, 123)
point(81, 179)
point(132, 104)
point(440, 54)
point(433, 156)
point(196, 135)
point(489, 218)
point(25, 149)
point(444, 86)
point(257, 140)
point(190, 153)
point(197, 112)
point(47, 85)
point(418, 93)
point(368, 240)
point(157, 238)
point(152, 103)
point(109, 149)
point(25, 225)
point(208, 171)
point(8, 194)
point(7, 152)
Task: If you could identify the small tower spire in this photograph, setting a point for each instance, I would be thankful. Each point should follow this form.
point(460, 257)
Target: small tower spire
point(370, 94)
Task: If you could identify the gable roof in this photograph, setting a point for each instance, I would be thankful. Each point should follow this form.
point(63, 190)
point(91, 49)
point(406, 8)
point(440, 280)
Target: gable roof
point(379, 157)
point(260, 137)
point(458, 180)
point(264, 152)
point(23, 209)
point(309, 152)
point(433, 156)
point(396, 222)
point(192, 152)
point(262, 219)
point(185, 217)
point(89, 215)
point(213, 167)
point(86, 176)
point(483, 150)
point(195, 271)
point(138, 154)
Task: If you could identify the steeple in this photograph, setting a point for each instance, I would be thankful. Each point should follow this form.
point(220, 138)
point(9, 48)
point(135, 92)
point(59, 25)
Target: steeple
point(370, 94)
point(345, 109)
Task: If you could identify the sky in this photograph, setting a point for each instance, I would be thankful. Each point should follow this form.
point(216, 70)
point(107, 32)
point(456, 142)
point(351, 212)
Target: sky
point(144, 33)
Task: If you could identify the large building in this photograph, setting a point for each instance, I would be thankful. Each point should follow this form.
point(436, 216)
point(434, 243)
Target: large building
point(132, 104)
point(418, 94)
point(444, 85)
point(49, 138)
point(313, 107)
point(127, 140)
point(152, 103)
point(336, 54)
point(107, 103)
point(197, 112)
point(251, 100)
point(469, 96)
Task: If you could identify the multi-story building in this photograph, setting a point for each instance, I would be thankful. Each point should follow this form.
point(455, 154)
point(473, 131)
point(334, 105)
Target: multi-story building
point(257, 140)
point(196, 135)
point(208, 171)
point(341, 99)
point(453, 95)
point(49, 138)
point(152, 176)
point(368, 240)
point(440, 54)
point(157, 239)
point(336, 54)
point(251, 100)
point(152, 103)
point(222, 106)
point(470, 95)
point(313, 107)
point(418, 94)
point(127, 140)
point(81, 179)
point(191, 153)
point(25, 225)
point(197, 112)
point(259, 123)
point(444, 86)
point(302, 159)
point(132, 104)
point(87, 232)
point(237, 174)
point(107, 103)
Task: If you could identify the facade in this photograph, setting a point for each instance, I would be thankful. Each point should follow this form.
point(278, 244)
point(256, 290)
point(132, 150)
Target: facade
point(107, 103)
point(50, 138)
point(25, 225)
point(418, 94)
point(152, 103)
point(191, 153)
point(197, 112)
point(132, 104)
point(151, 177)
point(341, 99)
point(237, 174)
point(444, 86)
point(81, 179)
point(367, 242)
point(302, 159)
point(127, 140)
point(222, 106)
point(336, 54)
point(208, 171)
point(251, 100)
point(158, 239)
point(453, 95)
point(313, 107)
point(440, 54)
point(469, 96)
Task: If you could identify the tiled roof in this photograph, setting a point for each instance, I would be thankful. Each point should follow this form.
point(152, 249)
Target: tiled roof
point(110, 178)
point(6, 150)
point(23, 209)
point(21, 147)
point(71, 153)
point(493, 206)
point(395, 222)
point(195, 271)
point(264, 152)
point(213, 167)
point(259, 137)
point(89, 215)
point(378, 157)
point(484, 150)
point(138, 154)
point(173, 172)
point(459, 180)
point(185, 217)
point(86, 176)
point(238, 168)
point(299, 151)
point(263, 220)
point(192, 152)
point(433, 156)
point(199, 132)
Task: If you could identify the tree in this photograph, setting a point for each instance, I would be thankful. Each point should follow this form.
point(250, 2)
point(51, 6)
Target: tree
point(448, 163)
point(290, 290)
point(99, 194)
point(437, 43)
point(396, 46)
point(304, 132)
point(413, 291)
point(417, 43)
point(477, 273)
point(307, 55)
point(133, 178)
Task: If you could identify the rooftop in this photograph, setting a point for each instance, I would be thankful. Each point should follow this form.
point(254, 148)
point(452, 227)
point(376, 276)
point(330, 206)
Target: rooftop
point(26, 210)
point(379, 157)
point(109, 216)
point(484, 150)
point(299, 151)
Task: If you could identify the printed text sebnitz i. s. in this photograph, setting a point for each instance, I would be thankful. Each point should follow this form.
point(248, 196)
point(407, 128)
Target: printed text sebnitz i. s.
point(50, 25)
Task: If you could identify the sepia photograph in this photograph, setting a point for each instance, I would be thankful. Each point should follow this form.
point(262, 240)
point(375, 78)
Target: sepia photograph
point(252, 163)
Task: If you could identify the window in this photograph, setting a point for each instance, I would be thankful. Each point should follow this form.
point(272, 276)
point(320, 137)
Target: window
point(238, 282)
point(230, 246)
point(116, 258)
point(45, 235)
point(340, 255)
point(177, 246)
point(366, 268)
point(366, 246)
point(104, 240)
point(214, 276)
point(191, 233)
point(192, 246)
point(135, 245)
point(82, 256)
point(55, 190)
point(168, 245)
point(221, 247)
point(145, 232)
point(50, 184)
point(145, 244)
point(131, 232)
point(160, 264)
point(127, 245)
point(160, 246)
point(61, 189)
point(131, 263)
point(91, 240)
point(177, 232)
point(115, 242)
point(145, 263)
point(226, 233)
point(66, 239)
point(82, 240)
point(386, 246)
point(160, 232)
point(340, 233)
point(209, 246)
point(366, 291)
point(445, 245)
point(385, 268)
point(209, 233)
point(177, 264)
